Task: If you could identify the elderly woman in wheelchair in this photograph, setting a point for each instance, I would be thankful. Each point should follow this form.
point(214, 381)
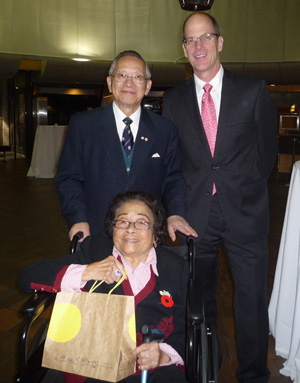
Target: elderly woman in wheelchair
point(156, 278)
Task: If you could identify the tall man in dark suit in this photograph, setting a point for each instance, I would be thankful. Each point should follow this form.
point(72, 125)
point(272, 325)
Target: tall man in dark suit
point(106, 152)
point(228, 143)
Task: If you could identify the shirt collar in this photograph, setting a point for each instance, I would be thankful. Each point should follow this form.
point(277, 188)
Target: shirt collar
point(216, 82)
point(119, 117)
point(151, 260)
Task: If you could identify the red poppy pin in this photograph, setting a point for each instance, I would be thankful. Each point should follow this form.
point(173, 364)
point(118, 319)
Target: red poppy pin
point(166, 298)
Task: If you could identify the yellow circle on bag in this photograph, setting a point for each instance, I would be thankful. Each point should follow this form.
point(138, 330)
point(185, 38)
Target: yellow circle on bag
point(131, 327)
point(65, 322)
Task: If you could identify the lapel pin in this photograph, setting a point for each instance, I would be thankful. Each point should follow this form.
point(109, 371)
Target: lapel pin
point(166, 298)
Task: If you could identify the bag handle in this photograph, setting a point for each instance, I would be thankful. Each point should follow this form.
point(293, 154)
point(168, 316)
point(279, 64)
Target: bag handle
point(97, 284)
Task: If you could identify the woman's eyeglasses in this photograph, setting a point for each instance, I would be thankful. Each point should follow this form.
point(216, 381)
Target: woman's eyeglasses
point(138, 225)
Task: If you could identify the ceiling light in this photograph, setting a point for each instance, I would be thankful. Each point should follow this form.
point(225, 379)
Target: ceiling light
point(81, 59)
point(196, 5)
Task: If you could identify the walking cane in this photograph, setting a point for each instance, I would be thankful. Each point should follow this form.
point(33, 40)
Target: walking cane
point(150, 334)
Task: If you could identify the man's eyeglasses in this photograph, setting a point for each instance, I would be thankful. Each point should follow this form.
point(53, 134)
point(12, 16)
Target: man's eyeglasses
point(136, 78)
point(190, 41)
point(138, 225)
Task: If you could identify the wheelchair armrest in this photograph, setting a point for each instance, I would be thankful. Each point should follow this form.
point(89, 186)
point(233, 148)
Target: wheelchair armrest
point(32, 308)
point(37, 303)
point(195, 305)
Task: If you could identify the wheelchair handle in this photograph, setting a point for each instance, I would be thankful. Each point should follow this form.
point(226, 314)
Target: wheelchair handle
point(152, 334)
point(191, 256)
point(76, 237)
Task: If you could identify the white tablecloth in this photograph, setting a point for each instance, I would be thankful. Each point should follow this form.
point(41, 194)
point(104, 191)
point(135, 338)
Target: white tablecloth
point(284, 308)
point(47, 147)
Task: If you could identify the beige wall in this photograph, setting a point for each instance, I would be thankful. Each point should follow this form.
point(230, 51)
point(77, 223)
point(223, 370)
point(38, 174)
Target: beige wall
point(254, 30)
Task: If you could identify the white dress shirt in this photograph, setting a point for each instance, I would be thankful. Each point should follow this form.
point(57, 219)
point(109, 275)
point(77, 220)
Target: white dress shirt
point(119, 117)
point(216, 91)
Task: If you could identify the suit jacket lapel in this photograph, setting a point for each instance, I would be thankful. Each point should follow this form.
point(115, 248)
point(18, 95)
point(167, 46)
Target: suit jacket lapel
point(143, 144)
point(111, 143)
point(227, 103)
point(191, 103)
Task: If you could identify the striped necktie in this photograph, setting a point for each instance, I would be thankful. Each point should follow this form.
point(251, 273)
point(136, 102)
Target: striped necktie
point(127, 138)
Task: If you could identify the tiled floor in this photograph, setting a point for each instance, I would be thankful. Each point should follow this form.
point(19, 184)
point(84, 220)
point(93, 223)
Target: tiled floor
point(31, 228)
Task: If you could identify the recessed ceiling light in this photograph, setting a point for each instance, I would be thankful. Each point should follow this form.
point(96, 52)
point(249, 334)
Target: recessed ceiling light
point(82, 59)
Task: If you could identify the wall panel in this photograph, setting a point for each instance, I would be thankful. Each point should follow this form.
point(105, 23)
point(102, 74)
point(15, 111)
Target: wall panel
point(254, 31)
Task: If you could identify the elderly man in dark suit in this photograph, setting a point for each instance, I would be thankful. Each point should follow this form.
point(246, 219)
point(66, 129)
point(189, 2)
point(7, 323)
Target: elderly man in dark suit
point(120, 147)
point(227, 129)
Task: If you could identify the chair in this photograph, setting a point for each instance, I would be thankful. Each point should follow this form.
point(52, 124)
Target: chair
point(4, 149)
point(30, 358)
point(202, 351)
point(202, 361)
point(288, 145)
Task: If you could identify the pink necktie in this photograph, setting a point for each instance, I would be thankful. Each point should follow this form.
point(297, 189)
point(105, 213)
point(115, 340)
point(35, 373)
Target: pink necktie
point(209, 119)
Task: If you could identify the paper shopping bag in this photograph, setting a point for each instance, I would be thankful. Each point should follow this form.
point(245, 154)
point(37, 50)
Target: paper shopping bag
point(92, 335)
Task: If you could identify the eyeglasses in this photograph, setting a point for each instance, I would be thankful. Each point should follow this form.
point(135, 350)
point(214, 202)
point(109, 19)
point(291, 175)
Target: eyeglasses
point(138, 225)
point(136, 78)
point(203, 38)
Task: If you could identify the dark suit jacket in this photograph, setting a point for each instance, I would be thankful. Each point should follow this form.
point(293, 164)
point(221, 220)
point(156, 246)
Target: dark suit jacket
point(244, 156)
point(173, 278)
point(91, 168)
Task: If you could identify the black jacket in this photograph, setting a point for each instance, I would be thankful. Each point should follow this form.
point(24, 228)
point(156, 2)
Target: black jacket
point(244, 156)
point(151, 309)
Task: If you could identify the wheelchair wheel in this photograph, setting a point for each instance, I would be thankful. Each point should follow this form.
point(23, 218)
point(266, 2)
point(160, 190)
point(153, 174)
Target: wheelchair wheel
point(35, 371)
point(213, 359)
point(202, 354)
point(197, 354)
point(32, 370)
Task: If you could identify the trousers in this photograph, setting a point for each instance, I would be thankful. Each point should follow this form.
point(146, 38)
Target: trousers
point(248, 266)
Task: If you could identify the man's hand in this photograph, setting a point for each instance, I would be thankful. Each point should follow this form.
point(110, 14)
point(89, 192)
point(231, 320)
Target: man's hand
point(81, 226)
point(175, 222)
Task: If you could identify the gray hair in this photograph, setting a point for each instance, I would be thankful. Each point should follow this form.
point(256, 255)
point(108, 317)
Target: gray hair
point(153, 204)
point(132, 54)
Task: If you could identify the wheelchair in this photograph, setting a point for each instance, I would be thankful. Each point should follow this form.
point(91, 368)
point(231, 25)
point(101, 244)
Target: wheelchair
point(202, 356)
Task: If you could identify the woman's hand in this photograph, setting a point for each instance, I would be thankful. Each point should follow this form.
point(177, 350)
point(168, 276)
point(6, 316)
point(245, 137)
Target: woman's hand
point(109, 269)
point(149, 356)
